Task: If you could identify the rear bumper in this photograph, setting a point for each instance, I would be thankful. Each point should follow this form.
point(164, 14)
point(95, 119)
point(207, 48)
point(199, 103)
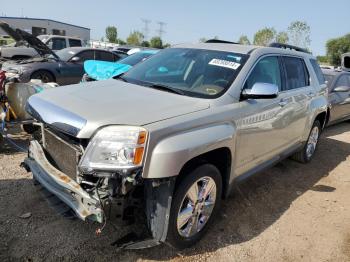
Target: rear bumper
point(65, 188)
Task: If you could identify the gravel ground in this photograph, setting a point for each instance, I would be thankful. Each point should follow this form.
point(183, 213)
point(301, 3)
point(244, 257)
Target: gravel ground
point(291, 212)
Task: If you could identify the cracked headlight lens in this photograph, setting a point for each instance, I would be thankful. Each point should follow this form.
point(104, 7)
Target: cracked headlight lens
point(115, 147)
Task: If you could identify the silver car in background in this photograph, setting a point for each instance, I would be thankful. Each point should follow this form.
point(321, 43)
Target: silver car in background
point(338, 82)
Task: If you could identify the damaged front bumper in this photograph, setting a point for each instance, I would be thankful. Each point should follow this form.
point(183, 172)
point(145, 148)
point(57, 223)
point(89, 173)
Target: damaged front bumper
point(69, 191)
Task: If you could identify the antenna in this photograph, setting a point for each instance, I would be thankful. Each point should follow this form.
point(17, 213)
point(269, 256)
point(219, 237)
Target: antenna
point(161, 30)
point(146, 28)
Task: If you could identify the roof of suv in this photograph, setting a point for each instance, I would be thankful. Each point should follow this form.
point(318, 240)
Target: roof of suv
point(62, 36)
point(242, 49)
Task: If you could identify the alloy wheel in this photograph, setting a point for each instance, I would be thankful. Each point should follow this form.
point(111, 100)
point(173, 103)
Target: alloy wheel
point(196, 207)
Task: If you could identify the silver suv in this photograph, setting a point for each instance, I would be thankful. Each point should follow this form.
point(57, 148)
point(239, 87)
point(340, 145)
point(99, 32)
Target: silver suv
point(170, 137)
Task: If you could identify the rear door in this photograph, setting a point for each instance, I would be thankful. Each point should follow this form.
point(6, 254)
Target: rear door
point(298, 93)
point(340, 101)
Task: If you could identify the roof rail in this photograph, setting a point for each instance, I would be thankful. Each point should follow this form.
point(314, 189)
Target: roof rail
point(291, 47)
point(219, 41)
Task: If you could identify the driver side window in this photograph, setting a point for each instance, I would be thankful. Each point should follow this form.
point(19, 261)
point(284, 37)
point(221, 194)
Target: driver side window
point(267, 70)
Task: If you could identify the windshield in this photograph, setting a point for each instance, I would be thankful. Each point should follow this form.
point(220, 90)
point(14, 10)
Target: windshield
point(135, 58)
point(195, 72)
point(329, 79)
point(64, 54)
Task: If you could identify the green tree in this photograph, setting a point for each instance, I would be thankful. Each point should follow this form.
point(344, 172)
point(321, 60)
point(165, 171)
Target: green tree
point(156, 42)
point(166, 45)
point(111, 34)
point(244, 40)
point(121, 41)
point(282, 37)
point(299, 34)
point(135, 38)
point(322, 59)
point(264, 36)
point(145, 44)
point(336, 47)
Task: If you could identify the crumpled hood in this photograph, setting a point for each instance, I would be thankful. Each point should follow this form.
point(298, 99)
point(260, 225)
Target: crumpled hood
point(81, 109)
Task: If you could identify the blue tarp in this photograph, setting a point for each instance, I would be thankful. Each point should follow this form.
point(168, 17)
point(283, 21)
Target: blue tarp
point(101, 70)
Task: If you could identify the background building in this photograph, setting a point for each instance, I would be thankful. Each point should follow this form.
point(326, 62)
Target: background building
point(39, 26)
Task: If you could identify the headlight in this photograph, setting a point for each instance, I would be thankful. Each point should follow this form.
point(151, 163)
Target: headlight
point(13, 72)
point(115, 147)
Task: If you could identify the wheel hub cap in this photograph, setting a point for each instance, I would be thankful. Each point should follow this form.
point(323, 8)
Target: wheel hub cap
point(196, 207)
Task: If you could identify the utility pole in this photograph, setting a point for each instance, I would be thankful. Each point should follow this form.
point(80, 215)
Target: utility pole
point(161, 30)
point(146, 28)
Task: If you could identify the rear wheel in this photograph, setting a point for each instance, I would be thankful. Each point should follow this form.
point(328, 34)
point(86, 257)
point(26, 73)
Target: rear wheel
point(43, 75)
point(195, 204)
point(308, 151)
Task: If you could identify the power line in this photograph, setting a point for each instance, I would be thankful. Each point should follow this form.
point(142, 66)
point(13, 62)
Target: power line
point(161, 30)
point(146, 28)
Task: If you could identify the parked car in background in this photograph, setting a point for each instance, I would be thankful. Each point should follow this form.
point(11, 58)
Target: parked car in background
point(54, 42)
point(173, 135)
point(338, 82)
point(64, 67)
point(100, 70)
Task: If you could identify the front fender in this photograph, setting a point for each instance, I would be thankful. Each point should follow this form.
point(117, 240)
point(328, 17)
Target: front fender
point(170, 154)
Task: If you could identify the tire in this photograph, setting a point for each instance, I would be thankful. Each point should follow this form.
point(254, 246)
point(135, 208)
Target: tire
point(305, 156)
point(43, 75)
point(177, 236)
point(2, 140)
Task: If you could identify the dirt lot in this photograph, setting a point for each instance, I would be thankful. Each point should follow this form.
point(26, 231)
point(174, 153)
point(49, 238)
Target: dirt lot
point(291, 212)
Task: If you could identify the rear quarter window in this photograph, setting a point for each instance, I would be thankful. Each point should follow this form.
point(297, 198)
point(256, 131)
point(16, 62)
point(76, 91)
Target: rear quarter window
point(318, 71)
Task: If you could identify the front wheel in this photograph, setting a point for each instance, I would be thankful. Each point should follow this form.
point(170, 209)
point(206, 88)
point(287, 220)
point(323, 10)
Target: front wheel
point(43, 75)
point(308, 151)
point(195, 204)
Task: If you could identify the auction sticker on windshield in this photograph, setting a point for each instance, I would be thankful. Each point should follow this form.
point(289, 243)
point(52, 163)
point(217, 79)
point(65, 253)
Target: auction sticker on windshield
point(224, 63)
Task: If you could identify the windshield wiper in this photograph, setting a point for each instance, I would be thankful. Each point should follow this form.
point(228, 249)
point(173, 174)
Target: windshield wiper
point(166, 88)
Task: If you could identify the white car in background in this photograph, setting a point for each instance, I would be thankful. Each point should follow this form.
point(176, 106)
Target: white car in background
point(54, 42)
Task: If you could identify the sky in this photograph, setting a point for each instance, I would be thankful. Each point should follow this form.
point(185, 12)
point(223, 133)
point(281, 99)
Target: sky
point(188, 21)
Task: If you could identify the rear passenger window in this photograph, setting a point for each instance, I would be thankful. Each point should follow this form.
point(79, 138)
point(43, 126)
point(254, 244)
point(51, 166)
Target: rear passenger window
point(296, 73)
point(104, 56)
point(318, 71)
point(74, 42)
point(267, 70)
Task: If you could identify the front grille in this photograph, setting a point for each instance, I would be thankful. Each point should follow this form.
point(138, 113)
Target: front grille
point(64, 155)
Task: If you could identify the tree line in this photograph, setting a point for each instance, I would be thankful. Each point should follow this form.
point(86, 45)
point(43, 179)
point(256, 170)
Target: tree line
point(298, 33)
point(135, 38)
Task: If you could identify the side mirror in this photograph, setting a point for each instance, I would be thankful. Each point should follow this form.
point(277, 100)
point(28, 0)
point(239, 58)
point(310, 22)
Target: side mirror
point(75, 59)
point(342, 89)
point(261, 91)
